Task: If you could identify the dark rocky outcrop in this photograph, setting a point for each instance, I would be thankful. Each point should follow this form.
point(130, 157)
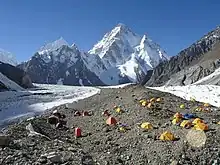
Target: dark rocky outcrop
point(15, 74)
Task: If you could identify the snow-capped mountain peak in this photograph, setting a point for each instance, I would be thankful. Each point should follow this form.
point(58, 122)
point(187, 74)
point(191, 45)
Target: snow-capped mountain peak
point(127, 54)
point(53, 46)
point(7, 57)
point(121, 56)
point(120, 35)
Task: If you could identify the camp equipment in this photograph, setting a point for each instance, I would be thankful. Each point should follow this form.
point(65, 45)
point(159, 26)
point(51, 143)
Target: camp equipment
point(111, 121)
point(186, 124)
point(146, 126)
point(197, 120)
point(176, 121)
point(189, 116)
point(78, 132)
point(167, 136)
point(182, 106)
point(201, 126)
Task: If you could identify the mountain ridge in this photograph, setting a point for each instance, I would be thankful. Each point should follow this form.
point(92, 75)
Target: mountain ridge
point(186, 67)
point(108, 58)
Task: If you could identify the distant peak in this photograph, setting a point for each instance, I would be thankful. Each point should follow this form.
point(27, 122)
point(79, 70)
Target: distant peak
point(7, 57)
point(61, 39)
point(53, 45)
point(121, 25)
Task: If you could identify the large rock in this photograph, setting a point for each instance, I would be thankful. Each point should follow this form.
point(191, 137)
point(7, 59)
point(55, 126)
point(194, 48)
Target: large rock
point(4, 140)
point(196, 138)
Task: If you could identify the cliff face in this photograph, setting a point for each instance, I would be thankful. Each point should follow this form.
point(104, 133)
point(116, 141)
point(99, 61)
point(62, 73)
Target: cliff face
point(15, 74)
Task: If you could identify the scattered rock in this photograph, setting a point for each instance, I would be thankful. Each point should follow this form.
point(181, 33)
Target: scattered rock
point(54, 157)
point(174, 162)
point(4, 140)
point(53, 120)
point(42, 159)
point(72, 149)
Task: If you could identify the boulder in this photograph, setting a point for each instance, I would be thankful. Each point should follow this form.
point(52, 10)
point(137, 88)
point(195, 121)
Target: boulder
point(4, 140)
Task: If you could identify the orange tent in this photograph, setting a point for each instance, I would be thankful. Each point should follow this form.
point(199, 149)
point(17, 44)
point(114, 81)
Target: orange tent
point(111, 121)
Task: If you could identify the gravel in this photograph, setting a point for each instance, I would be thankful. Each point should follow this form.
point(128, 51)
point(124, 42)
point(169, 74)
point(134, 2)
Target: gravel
point(106, 145)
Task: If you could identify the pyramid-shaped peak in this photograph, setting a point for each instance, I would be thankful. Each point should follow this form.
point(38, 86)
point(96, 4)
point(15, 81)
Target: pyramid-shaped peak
point(53, 45)
point(61, 41)
point(121, 27)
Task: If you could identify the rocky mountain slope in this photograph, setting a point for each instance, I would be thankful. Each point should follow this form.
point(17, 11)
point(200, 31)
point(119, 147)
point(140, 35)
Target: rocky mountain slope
point(127, 54)
point(120, 57)
point(12, 78)
point(60, 65)
point(190, 65)
point(15, 75)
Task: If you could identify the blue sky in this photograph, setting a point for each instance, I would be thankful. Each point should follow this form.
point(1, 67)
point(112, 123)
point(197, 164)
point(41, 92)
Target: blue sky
point(26, 25)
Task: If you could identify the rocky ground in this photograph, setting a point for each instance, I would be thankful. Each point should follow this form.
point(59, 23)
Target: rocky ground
point(106, 145)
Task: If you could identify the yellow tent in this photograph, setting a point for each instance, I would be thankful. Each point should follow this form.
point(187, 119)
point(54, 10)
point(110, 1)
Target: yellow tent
point(144, 103)
point(122, 129)
point(201, 126)
point(118, 110)
point(146, 125)
point(197, 120)
point(141, 101)
point(176, 121)
point(167, 136)
point(186, 124)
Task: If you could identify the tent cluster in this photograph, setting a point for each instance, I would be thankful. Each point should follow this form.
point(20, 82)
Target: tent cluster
point(84, 113)
point(57, 119)
point(150, 103)
point(186, 120)
point(189, 121)
point(206, 107)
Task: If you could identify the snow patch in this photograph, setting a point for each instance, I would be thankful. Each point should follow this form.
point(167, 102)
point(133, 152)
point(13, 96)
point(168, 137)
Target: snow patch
point(209, 79)
point(117, 86)
point(202, 93)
